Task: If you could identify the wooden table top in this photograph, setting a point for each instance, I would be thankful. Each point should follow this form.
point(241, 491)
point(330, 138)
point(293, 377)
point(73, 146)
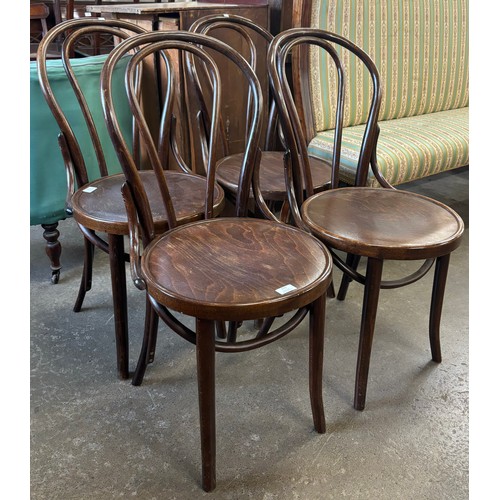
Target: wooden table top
point(162, 8)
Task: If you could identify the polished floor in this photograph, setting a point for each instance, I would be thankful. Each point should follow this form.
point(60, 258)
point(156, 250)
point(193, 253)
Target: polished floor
point(96, 437)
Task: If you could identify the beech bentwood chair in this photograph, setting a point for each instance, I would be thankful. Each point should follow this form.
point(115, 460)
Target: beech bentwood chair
point(378, 224)
point(94, 189)
point(216, 270)
point(253, 42)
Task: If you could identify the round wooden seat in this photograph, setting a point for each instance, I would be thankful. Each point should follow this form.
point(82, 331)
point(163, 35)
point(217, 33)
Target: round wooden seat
point(236, 269)
point(383, 223)
point(271, 177)
point(102, 208)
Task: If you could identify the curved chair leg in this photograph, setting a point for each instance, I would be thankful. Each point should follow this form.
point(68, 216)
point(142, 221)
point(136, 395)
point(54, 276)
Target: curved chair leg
point(53, 249)
point(352, 261)
point(119, 291)
point(331, 291)
point(438, 287)
point(86, 282)
point(316, 349)
point(148, 343)
point(370, 302)
point(205, 359)
point(153, 333)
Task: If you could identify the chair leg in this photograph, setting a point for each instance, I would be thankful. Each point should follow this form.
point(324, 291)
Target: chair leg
point(53, 249)
point(232, 331)
point(220, 327)
point(370, 302)
point(148, 343)
point(331, 291)
point(153, 335)
point(438, 287)
point(205, 358)
point(86, 282)
point(316, 349)
point(352, 261)
point(119, 291)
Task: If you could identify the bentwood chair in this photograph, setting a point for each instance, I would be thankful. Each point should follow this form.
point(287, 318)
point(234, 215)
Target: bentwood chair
point(378, 224)
point(219, 269)
point(250, 39)
point(94, 173)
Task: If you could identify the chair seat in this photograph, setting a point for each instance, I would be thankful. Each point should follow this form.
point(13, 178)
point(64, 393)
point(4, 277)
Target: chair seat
point(103, 209)
point(272, 179)
point(383, 223)
point(236, 269)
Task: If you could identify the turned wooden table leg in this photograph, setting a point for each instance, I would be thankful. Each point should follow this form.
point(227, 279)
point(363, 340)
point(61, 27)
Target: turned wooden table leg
point(53, 249)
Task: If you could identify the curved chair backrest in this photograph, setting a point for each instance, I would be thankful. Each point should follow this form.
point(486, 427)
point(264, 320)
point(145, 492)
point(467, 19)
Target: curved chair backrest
point(252, 38)
point(70, 87)
point(170, 45)
point(330, 44)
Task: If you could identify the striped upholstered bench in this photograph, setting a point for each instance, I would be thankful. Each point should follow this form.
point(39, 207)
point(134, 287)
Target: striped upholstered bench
point(420, 48)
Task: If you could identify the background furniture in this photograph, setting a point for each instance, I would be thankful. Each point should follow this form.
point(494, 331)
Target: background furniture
point(421, 51)
point(180, 16)
point(39, 12)
point(48, 189)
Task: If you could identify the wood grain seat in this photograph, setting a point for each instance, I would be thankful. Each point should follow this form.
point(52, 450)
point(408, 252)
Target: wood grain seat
point(102, 209)
point(236, 269)
point(383, 223)
point(272, 180)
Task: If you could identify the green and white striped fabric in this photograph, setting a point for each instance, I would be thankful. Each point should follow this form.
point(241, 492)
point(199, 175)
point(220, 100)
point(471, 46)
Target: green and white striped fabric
point(420, 48)
point(408, 148)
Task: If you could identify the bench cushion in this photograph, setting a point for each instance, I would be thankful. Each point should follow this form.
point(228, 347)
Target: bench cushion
point(420, 48)
point(408, 148)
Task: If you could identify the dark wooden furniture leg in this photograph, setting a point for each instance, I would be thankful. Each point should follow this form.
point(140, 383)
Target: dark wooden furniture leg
point(369, 314)
point(119, 291)
point(152, 321)
point(205, 357)
point(86, 282)
point(352, 261)
point(439, 284)
point(148, 343)
point(53, 249)
point(316, 349)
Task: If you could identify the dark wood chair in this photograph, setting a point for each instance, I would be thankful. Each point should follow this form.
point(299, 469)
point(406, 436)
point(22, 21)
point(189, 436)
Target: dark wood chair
point(94, 195)
point(378, 224)
point(225, 269)
point(250, 40)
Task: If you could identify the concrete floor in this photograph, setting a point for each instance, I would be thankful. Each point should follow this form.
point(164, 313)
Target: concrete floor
point(96, 437)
